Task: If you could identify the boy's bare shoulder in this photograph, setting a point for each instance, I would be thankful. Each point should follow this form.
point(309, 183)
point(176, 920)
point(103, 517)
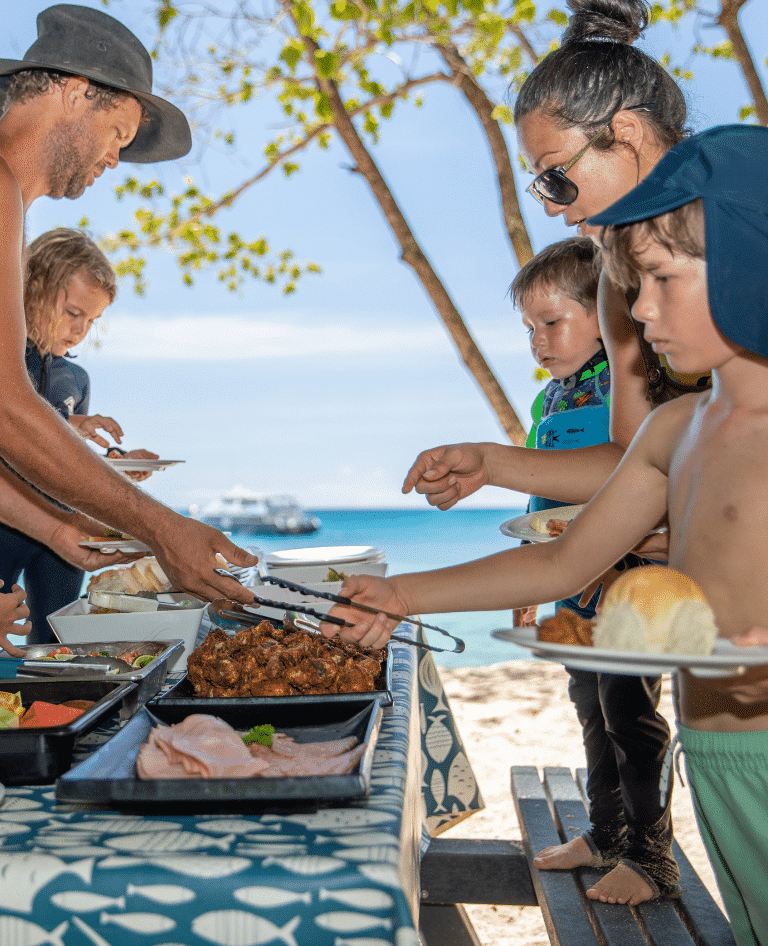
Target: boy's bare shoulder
point(662, 430)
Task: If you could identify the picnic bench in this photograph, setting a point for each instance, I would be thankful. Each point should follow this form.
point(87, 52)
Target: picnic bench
point(552, 809)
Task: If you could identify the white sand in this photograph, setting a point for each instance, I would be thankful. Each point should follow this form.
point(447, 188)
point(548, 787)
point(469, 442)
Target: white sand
point(518, 713)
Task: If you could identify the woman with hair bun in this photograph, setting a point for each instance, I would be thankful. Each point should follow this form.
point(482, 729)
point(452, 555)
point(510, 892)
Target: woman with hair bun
point(592, 119)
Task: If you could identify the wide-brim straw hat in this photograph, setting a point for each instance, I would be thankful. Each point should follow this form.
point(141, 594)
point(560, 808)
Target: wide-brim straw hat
point(79, 41)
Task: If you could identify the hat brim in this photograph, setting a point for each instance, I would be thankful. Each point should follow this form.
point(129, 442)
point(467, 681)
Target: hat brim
point(165, 136)
point(735, 231)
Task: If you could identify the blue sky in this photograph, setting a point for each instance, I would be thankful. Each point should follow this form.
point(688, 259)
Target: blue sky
point(331, 393)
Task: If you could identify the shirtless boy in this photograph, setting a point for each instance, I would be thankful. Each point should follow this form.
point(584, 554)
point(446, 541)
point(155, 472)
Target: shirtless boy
point(697, 244)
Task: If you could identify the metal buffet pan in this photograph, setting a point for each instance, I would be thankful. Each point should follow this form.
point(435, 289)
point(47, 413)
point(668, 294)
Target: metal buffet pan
point(148, 679)
point(108, 777)
point(183, 693)
point(34, 756)
point(265, 577)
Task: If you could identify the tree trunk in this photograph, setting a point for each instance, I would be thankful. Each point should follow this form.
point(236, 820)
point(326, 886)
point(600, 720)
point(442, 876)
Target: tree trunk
point(413, 255)
point(483, 107)
point(728, 20)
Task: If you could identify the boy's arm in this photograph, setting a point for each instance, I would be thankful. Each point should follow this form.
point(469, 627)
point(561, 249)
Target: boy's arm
point(41, 446)
point(618, 517)
point(449, 473)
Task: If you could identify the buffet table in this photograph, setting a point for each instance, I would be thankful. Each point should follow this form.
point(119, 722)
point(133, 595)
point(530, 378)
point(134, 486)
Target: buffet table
point(332, 876)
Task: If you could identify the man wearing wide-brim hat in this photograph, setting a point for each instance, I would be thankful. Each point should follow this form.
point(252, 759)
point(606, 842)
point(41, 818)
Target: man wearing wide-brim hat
point(78, 102)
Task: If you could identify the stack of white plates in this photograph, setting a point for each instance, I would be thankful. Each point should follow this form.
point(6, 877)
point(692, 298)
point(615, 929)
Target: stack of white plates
point(310, 567)
point(313, 564)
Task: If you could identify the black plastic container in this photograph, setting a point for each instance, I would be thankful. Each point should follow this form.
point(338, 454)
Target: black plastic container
point(40, 755)
point(108, 777)
point(149, 679)
point(183, 695)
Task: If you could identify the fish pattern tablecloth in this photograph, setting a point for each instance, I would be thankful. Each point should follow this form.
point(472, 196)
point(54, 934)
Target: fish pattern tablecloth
point(337, 876)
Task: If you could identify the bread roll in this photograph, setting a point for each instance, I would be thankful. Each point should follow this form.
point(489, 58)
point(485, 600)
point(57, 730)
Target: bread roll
point(654, 609)
point(145, 574)
point(539, 520)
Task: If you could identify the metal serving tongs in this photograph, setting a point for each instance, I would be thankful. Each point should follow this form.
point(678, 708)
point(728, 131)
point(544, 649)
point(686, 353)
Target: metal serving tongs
point(340, 622)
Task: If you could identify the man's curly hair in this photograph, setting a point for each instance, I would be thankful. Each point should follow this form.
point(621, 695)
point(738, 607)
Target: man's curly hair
point(29, 83)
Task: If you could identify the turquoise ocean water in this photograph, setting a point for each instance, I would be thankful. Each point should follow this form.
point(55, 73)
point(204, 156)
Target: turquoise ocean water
point(417, 540)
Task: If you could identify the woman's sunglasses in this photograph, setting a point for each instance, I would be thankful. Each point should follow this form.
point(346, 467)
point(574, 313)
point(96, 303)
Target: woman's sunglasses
point(553, 185)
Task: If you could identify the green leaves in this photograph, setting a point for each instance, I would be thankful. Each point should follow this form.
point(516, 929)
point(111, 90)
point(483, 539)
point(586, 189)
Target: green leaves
point(185, 224)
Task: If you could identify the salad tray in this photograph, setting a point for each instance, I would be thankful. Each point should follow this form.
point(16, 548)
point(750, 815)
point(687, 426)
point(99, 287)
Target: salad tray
point(39, 755)
point(149, 679)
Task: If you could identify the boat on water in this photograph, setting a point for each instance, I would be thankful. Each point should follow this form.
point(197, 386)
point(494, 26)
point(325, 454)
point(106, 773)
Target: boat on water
point(241, 510)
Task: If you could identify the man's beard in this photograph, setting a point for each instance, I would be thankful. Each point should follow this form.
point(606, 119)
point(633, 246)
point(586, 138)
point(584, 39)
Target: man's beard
point(69, 169)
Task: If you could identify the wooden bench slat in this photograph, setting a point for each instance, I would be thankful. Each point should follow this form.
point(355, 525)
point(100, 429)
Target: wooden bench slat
point(661, 921)
point(706, 920)
point(558, 893)
point(700, 913)
point(615, 922)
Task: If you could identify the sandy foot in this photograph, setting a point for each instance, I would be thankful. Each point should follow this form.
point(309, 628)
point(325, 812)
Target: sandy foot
point(575, 853)
point(621, 885)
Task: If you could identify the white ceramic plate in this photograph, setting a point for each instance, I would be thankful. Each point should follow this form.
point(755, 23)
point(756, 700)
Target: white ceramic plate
point(335, 554)
point(116, 545)
point(520, 527)
point(726, 659)
point(136, 465)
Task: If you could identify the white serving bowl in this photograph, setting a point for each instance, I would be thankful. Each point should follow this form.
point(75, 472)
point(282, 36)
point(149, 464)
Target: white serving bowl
point(75, 624)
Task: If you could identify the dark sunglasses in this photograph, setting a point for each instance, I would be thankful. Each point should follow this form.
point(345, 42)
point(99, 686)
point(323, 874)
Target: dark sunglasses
point(553, 185)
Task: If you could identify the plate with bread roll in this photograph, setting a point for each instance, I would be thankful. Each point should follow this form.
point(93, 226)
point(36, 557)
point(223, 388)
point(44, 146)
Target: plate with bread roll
point(653, 620)
point(541, 526)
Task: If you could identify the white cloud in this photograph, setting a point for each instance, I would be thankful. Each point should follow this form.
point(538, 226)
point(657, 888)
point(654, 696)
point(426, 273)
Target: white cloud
point(221, 338)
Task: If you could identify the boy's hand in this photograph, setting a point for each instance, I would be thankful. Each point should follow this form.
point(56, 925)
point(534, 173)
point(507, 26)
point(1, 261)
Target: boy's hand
point(370, 630)
point(87, 426)
point(754, 637)
point(751, 687)
point(524, 617)
point(12, 608)
point(447, 474)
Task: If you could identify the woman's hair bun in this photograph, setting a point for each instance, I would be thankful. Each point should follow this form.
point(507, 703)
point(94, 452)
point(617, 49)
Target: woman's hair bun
point(620, 21)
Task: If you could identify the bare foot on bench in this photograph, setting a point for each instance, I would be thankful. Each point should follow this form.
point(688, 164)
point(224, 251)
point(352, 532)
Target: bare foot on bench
point(575, 853)
point(622, 885)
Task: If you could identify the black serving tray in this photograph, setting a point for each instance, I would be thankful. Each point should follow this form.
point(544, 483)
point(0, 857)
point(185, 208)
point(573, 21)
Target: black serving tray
point(108, 776)
point(38, 756)
point(183, 694)
point(149, 680)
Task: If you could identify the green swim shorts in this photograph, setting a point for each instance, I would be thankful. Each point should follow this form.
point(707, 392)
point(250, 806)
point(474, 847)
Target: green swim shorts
point(728, 778)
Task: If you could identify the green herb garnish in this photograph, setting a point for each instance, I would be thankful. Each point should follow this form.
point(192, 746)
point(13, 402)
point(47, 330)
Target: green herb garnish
point(260, 734)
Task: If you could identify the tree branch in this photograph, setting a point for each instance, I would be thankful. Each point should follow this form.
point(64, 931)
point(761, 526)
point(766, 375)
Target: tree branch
point(483, 107)
point(412, 254)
